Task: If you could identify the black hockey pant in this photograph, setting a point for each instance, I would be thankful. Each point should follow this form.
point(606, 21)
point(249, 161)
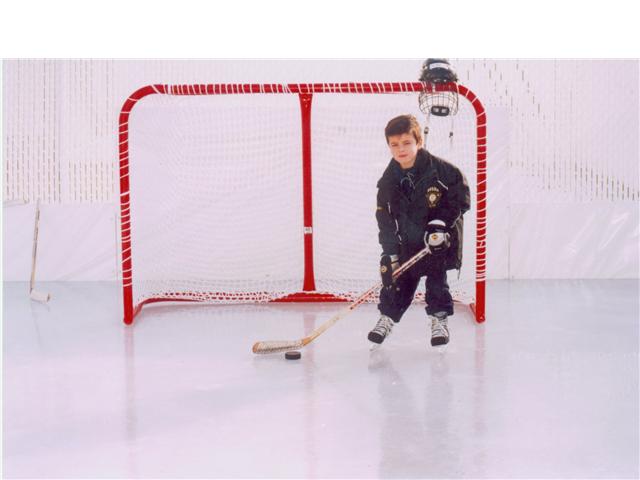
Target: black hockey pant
point(395, 299)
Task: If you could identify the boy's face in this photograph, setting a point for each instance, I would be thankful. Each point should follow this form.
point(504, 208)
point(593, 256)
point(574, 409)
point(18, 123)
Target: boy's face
point(404, 149)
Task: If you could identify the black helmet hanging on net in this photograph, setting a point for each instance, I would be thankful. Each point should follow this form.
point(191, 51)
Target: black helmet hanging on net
point(437, 70)
point(440, 103)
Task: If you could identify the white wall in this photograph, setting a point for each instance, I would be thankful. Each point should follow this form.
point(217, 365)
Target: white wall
point(563, 156)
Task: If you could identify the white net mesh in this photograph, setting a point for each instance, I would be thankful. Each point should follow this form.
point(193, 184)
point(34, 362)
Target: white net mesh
point(217, 202)
point(349, 155)
point(216, 197)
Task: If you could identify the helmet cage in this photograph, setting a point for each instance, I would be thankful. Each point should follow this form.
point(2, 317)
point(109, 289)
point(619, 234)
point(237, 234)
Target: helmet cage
point(440, 94)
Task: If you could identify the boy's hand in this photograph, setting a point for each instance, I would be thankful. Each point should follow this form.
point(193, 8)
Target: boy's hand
point(388, 265)
point(437, 237)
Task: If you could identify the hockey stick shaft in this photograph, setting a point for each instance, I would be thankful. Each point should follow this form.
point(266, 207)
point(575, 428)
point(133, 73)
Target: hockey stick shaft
point(34, 250)
point(33, 293)
point(278, 346)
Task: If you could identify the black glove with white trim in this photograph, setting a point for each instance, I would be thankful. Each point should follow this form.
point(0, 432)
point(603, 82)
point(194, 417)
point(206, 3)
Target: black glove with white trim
point(388, 265)
point(437, 237)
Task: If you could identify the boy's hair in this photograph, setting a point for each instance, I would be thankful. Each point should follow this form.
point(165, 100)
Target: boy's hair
point(404, 124)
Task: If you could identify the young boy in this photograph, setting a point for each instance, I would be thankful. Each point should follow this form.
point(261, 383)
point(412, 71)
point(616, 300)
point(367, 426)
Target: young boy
point(418, 193)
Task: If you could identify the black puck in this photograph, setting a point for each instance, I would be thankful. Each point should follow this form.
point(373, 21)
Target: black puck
point(294, 355)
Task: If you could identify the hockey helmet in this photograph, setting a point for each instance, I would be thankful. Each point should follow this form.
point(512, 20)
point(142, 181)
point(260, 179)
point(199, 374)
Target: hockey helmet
point(439, 103)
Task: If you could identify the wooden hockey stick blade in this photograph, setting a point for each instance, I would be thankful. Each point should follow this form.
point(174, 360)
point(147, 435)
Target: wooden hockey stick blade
point(278, 346)
point(39, 296)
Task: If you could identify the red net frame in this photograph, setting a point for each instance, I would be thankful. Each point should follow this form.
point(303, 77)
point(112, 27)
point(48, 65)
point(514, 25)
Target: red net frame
point(305, 93)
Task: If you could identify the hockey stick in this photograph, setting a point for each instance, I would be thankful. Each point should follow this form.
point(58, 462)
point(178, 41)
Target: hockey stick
point(277, 346)
point(35, 294)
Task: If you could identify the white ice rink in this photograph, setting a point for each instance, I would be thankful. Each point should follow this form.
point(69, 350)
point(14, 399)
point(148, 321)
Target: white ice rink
point(546, 388)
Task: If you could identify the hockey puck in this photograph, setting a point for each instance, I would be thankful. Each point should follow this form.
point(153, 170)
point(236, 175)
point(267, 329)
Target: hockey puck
point(294, 355)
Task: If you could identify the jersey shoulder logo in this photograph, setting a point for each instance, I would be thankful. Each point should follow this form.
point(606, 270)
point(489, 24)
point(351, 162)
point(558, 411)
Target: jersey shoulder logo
point(433, 196)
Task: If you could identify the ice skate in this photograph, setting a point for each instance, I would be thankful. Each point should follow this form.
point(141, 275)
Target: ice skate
point(439, 329)
point(381, 330)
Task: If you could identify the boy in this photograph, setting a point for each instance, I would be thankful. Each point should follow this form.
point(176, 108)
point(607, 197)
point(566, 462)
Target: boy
point(418, 193)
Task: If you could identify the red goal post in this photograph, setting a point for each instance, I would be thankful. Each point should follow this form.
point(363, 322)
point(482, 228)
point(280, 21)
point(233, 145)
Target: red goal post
point(305, 94)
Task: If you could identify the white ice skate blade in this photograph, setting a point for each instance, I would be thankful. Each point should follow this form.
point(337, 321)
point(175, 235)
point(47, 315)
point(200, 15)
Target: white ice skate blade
point(374, 346)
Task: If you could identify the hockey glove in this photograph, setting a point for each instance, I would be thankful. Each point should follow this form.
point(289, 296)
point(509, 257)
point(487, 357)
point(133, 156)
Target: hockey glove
point(437, 237)
point(388, 265)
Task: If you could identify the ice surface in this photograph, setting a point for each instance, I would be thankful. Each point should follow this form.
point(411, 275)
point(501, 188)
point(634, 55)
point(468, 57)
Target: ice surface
point(546, 388)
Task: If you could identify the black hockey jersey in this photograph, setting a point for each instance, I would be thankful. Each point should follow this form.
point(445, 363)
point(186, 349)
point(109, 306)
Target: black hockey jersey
point(433, 189)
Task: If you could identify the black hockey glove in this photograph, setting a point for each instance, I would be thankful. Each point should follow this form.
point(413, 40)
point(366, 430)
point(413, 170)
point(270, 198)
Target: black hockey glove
point(437, 237)
point(388, 265)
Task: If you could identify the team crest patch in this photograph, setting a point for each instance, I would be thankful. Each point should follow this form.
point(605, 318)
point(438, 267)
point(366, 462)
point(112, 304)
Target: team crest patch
point(433, 196)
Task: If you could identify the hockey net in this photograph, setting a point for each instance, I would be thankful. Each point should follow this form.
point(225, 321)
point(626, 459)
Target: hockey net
point(258, 193)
